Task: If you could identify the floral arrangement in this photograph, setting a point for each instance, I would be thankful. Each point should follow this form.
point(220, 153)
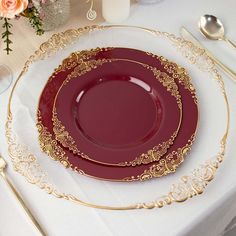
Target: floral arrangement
point(15, 9)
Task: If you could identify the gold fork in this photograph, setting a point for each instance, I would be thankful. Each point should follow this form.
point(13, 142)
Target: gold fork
point(3, 166)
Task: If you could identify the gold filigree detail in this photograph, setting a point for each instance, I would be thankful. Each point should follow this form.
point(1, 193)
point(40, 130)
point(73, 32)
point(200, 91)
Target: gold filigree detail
point(49, 145)
point(181, 74)
point(26, 164)
point(23, 161)
point(177, 72)
point(188, 186)
point(169, 164)
point(76, 57)
point(168, 82)
point(152, 155)
point(85, 66)
point(63, 136)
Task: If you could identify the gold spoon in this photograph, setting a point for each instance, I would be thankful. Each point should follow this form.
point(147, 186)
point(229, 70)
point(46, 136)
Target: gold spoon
point(212, 28)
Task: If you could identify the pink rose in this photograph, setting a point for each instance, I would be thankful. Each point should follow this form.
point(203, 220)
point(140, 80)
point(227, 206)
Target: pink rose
point(10, 8)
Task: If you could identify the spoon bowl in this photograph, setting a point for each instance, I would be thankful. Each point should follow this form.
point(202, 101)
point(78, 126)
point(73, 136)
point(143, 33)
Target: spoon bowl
point(212, 28)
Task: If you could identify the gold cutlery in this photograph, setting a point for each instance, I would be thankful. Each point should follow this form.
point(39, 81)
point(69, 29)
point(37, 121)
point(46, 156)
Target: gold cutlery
point(212, 28)
point(3, 166)
point(190, 37)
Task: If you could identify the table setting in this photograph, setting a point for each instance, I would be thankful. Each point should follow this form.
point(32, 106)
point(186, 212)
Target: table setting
point(120, 117)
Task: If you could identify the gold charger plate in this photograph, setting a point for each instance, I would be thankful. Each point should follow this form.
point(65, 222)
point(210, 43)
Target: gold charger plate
point(191, 185)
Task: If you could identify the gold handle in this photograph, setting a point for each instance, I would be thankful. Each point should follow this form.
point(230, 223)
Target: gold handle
point(22, 203)
point(230, 42)
point(222, 66)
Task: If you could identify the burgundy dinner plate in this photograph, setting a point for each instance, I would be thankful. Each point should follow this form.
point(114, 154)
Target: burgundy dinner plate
point(167, 163)
point(117, 112)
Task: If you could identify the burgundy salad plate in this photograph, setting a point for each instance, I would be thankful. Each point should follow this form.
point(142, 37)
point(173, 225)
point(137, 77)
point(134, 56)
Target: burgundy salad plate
point(117, 112)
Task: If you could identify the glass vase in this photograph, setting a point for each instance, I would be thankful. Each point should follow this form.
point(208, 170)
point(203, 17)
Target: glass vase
point(55, 13)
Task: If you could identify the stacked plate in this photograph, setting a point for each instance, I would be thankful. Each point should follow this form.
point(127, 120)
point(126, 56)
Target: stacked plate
point(118, 114)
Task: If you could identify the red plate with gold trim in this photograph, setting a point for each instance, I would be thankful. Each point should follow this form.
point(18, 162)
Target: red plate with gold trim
point(167, 163)
point(116, 111)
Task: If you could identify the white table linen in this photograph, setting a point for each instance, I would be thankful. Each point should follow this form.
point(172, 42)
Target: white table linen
point(204, 215)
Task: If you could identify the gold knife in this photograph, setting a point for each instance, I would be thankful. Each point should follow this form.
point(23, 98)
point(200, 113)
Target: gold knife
point(185, 34)
point(18, 196)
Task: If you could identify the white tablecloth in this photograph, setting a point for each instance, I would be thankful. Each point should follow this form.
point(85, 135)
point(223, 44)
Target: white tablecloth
point(205, 215)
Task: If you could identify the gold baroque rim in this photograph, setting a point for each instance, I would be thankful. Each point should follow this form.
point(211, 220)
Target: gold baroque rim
point(154, 154)
point(187, 187)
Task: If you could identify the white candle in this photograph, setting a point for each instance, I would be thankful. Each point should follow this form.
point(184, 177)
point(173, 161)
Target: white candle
point(115, 11)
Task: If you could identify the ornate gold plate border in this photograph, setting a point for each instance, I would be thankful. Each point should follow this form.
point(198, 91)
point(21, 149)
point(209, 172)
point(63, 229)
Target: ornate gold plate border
point(194, 184)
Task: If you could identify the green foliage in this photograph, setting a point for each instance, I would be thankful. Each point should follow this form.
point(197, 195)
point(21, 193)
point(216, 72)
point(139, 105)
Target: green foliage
point(6, 34)
point(34, 19)
point(32, 14)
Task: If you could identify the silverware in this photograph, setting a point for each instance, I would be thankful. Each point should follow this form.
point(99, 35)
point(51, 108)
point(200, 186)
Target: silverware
point(212, 28)
point(189, 36)
point(3, 165)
